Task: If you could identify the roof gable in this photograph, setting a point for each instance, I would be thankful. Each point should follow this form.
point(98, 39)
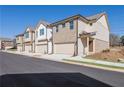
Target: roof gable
point(89, 19)
point(46, 24)
point(29, 29)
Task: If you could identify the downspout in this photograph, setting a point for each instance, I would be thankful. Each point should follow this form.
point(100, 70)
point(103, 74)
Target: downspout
point(47, 39)
point(35, 37)
point(23, 43)
point(34, 41)
point(52, 42)
point(76, 42)
point(31, 41)
point(77, 36)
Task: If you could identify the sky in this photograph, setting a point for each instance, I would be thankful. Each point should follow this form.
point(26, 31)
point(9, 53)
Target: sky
point(15, 19)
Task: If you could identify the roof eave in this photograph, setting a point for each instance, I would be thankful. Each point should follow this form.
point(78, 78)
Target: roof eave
point(65, 20)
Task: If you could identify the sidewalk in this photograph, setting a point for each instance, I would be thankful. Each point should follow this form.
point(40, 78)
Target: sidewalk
point(96, 62)
point(54, 57)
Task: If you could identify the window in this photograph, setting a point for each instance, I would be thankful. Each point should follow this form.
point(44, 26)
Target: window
point(56, 28)
point(41, 32)
point(17, 38)
point(91, 24)
point(27, 35)
point(71, 24)
point(63, 25)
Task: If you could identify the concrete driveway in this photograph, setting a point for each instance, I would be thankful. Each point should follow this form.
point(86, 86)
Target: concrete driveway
point(18, 70)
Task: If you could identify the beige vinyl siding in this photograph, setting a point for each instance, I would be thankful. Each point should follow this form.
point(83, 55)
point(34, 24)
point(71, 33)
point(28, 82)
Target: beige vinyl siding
point(19, 39)
point(64, 35)
point(100, 45)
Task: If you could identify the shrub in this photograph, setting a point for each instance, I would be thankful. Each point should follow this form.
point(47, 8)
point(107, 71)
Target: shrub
point(106, 50)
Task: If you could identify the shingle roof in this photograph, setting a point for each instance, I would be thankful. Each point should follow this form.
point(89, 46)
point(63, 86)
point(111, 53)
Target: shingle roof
point(88, 19)
point(20, 35)
point(42, 22)
point(30, 29)
point(95, 17)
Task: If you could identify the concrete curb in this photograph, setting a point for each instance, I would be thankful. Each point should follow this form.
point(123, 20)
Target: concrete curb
point(98, 63)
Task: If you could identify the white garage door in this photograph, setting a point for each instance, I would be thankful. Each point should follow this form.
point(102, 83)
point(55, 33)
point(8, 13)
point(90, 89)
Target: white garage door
point(64, 49)
point(41, 49)
point(27, 48)
point(19, 48)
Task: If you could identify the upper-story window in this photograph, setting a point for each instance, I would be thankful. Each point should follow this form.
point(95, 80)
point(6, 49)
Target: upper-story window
point(91, 24)
point(71, 24)
point(63, 25)
point(41, 32)
point(27, 35)
point(57, 29)
point(17, 38)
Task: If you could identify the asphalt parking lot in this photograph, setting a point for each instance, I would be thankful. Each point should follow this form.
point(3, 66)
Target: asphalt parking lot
point(23, 71)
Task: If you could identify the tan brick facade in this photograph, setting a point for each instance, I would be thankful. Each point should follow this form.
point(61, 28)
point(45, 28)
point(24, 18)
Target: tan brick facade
point(76, 35)
point(19, 39)
point(101, 45)
point(7, 44)
point(64, 35)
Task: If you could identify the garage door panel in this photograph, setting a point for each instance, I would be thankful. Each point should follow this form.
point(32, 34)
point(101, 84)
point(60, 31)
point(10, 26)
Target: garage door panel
point(19, 48)
point(64, 49)
point(41, 49)
point(27, 48)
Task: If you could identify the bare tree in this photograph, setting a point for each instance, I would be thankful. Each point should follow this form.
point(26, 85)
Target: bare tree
point(114, 40)
point(122, 40)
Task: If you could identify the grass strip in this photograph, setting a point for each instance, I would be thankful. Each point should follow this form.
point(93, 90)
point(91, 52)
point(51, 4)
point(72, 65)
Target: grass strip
point(102, 65)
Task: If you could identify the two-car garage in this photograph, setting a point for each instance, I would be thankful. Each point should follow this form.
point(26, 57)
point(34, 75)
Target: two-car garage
point(44, 48)
point(66, 48)
point(41, 48)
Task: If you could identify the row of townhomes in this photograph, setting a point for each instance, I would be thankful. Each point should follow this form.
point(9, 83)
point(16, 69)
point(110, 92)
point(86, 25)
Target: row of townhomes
point(6, 43)
point(75, 35)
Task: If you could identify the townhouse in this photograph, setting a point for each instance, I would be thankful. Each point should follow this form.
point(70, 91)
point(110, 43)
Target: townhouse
point(79, 35)
point(43, 39)
point(75, 35)
point(20, 42)
point(6, 43)
point(29, 40)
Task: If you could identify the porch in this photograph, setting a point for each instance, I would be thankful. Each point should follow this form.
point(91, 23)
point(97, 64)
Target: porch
point(86, 44)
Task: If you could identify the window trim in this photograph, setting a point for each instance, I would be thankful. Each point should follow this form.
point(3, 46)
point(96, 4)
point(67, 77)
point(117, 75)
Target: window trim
point(71, 24)
point(27, 35)
point(91, 24)
point(17, 38)
point(63, 25)
point(57, 30)
point(41, 32)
